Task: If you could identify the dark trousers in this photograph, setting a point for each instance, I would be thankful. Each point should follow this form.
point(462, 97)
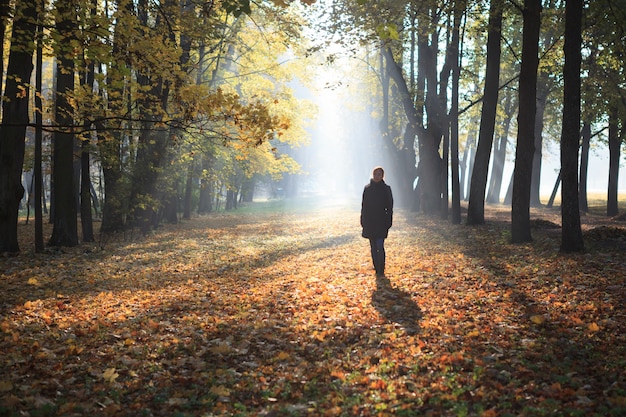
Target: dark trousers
point(377, 246)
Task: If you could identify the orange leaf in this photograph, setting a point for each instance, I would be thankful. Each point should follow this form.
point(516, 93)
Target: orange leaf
point(338, 374)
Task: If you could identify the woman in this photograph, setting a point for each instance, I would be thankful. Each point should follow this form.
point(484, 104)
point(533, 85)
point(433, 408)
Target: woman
point(377, 216)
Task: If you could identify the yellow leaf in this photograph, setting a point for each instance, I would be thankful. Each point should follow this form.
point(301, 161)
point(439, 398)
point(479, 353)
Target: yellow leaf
point(110, 375)
point(220, 391)
point(593, 327)
point(33, 281)
point(282, 356)
point(537, 319)
point(222, 348)
point(6, 386)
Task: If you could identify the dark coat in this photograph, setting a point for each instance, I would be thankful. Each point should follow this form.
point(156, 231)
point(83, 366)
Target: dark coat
point(376, 210)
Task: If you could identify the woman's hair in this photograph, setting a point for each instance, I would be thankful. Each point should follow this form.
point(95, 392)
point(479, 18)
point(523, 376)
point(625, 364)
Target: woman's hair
point(378, 168)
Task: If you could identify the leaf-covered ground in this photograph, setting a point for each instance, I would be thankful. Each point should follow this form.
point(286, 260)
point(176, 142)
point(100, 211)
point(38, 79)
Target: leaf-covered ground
point(279, 313)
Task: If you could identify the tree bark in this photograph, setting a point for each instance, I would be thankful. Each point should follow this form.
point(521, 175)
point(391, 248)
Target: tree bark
point(478, 186)
point(571, 235)
point(15, 117)
point(615, 143)
point(520, 210)
point(65, 227)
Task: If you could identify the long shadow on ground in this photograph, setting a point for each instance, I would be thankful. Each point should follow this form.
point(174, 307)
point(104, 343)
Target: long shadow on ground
point(396, 305)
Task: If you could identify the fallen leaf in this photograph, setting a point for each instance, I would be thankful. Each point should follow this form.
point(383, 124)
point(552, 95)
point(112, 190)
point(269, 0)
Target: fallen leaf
point(110, 375)
point(220, 391)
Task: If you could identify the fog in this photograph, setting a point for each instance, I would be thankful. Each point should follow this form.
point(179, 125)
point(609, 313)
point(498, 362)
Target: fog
point(346, 142)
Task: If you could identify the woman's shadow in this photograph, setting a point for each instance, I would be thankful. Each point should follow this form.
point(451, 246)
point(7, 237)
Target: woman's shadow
point(396, 305)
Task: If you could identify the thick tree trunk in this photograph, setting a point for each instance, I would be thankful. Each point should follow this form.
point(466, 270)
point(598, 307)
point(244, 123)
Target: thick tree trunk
point(478, 186)
point(15, 111)
point(571, 235)
point(520, 210)
point(65, 227)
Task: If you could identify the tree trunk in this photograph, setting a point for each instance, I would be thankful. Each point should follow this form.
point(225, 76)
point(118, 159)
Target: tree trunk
point(5, 13)
point(615, 143)
point(499, 155)
point(535, 180)
point(85, 194)
point(15, 112)
point(459, 10)
point(85, 171)
point(188, 190)
point(205, 201)
point(571, 234)
point(555, 189)
point(116, 195)
point(584, 164)
point(152, 146)
point(65, 227)
point(520, 210)
point(405, 155)
point(467, 163)
point(432, 136)
point(39, 241)
point(478, 186)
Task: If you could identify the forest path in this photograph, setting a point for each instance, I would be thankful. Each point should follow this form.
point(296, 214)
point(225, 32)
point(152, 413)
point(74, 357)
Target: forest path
point(273, 312)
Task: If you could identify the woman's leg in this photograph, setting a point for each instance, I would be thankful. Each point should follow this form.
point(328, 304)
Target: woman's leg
point(380, 249)
point(374, 252)
point(377, 247)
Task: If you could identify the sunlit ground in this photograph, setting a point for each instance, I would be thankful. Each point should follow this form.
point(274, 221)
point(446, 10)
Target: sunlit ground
point(273, 309)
